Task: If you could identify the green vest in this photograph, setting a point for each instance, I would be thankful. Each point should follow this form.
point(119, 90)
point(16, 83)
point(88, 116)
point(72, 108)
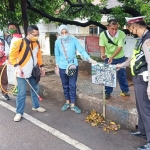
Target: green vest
point(138, 62)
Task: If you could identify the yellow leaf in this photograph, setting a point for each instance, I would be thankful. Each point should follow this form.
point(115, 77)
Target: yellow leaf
point(112, 122)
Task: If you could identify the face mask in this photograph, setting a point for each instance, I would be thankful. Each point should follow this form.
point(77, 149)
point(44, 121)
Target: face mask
point(12, 31)
point(134, 35)
point(64, 37)
point(33, 39)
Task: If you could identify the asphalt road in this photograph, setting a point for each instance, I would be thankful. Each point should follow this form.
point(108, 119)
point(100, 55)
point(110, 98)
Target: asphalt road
point(57, 130)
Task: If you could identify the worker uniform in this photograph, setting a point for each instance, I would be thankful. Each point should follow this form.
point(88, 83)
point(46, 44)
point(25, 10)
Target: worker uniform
point(119, 40)
point(140, 64)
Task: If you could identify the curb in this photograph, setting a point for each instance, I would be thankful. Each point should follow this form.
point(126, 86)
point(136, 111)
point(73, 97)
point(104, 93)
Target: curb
point(125, 117)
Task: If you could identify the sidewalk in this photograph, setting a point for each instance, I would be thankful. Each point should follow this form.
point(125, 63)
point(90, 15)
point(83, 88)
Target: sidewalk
point(89, 96)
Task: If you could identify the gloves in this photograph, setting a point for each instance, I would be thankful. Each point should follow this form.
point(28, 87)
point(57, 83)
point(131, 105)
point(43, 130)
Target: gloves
point(92, 61)
point(148, 92)
point(19, 71)
point(57, 70)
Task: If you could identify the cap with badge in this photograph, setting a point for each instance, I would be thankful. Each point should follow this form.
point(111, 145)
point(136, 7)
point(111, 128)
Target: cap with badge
point(131, 20)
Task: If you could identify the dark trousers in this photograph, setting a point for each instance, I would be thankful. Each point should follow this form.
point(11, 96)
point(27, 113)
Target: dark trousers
point(69, 85)
point(4, 79)
point(143, 105)
point(121, 74)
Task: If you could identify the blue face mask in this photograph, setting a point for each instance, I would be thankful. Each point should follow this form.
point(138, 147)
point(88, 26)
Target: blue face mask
point(64, 37)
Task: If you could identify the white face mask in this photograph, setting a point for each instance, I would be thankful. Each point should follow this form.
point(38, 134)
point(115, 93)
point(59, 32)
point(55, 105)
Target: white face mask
point(64, 37)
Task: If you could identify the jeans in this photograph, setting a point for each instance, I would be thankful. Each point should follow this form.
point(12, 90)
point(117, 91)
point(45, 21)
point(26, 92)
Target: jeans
point(21, 97)
point(69, 85)
point(121, 74)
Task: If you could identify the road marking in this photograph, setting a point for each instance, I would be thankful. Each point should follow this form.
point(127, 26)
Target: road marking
point(51, 130)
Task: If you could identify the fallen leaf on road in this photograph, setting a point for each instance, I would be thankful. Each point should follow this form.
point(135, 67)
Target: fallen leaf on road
point(96, 119)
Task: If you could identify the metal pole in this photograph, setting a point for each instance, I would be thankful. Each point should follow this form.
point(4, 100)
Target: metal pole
point(104, 102)
point(33, 90)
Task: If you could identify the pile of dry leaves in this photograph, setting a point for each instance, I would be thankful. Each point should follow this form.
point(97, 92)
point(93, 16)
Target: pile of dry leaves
point(96, 119)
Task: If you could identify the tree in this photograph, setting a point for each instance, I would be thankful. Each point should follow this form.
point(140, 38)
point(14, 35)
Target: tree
point(65, 11)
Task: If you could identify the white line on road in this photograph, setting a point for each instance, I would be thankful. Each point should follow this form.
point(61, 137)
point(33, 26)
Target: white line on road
point(51, 130)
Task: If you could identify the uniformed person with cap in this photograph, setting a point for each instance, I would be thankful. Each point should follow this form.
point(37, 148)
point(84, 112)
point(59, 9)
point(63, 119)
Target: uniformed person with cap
point(140, 69)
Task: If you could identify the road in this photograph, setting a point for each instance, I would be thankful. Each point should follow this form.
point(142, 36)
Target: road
point(57, 130)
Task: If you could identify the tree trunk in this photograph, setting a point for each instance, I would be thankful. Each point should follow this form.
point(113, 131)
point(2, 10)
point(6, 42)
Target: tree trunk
point(11, 5)
point(24, 16)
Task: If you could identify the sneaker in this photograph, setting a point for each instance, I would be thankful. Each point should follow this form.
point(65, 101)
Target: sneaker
point(17, 117)
point(144, 147)
point(107, 96)
point(65, 107)
point(39, 109)
point(15, 93)
point(6, 97)
point(124, 94)
point(76, 109)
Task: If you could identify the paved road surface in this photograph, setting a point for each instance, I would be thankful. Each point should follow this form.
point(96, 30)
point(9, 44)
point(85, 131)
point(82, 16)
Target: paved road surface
point(57, 130)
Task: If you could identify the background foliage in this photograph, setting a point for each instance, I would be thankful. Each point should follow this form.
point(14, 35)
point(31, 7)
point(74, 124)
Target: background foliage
point(11, 10)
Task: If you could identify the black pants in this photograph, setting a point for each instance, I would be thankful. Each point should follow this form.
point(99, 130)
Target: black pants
point(143, 105)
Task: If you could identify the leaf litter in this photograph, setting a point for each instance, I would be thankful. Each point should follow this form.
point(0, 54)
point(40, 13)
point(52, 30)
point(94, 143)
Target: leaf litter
point(96, 119)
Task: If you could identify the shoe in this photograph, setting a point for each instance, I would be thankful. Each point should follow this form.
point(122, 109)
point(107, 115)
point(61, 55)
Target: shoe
point(39, 109)
point(124, 94)
point(6, 97)
point(17, 117)
point(144, 147)
point(15, 93)
point(76, 109)
point(139, 134)
point(65, 107)
point(107, 96)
